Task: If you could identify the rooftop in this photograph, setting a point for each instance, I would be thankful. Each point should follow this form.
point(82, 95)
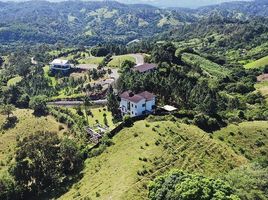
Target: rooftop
point(136, 98)
point(145, 67)
point(59, 62)
point(169, 108)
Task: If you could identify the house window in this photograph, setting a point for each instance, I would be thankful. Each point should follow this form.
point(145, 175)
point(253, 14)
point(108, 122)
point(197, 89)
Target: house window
point(132, 105)
point(136, 106)
point(143, 105)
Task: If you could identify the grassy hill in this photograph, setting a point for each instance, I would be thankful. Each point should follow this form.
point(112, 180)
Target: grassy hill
point(213, 69)
point(248, 138)
point(258, 63)
point(146, 150)
point(27, 124)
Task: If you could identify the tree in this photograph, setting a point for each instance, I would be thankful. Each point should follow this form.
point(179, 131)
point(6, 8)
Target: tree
point(87, 103)
point(183, 186)
point(38, 104)
point(72, 160)
point(127, 65)
point(42, 163)
point(7, 109)
point(112, 104)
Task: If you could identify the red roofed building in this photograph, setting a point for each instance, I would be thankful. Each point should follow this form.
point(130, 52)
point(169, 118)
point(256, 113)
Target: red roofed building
point(146, 67)
point(137, 104)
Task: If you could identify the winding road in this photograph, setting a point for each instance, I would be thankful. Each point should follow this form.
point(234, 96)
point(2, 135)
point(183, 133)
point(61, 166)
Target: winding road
point(115, 75)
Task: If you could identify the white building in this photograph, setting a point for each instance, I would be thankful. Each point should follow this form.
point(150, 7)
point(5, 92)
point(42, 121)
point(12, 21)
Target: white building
point(137, 104)
point(60, 65)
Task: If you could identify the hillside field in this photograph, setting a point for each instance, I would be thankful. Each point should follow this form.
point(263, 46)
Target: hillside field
point(146, 150)
point(262, 87)
point(27, 124)
point(258, 63)
point(211, 68)
point(249, 139)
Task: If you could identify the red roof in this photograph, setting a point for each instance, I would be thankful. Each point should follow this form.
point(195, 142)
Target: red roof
point(136, 98)
point(145, 67)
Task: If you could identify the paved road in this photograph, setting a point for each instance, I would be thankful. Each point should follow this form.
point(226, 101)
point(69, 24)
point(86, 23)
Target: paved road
point(76, 103)
point(139, 58)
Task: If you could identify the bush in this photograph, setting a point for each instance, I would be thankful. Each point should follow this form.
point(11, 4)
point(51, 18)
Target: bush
point(39, 105)
point(206, 123)
point(184, 186)
point(10, 123)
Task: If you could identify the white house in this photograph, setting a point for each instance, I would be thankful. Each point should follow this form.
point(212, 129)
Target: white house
point(60, 65)
point(137, 104)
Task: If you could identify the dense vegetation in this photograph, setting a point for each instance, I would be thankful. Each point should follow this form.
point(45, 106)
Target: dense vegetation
point(209, 61)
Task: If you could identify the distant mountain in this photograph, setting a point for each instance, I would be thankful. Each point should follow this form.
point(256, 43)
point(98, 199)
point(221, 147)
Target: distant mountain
point(161, 3)
point(254, 8)
point(85, 22)
point(92, 22)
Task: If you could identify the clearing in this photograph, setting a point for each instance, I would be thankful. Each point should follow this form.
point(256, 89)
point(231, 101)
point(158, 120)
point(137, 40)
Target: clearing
point(258, 63)
point(208, 66)
point(146, 150)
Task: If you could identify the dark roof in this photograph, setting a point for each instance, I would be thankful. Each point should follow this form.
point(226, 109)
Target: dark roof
point(145, 67)
point(147, 95)
point(136, 98)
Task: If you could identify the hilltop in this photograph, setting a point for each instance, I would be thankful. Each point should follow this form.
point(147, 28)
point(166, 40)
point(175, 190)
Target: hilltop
point(146, 150)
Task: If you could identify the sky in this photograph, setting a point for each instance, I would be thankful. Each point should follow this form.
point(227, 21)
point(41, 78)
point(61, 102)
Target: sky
point(167, 3)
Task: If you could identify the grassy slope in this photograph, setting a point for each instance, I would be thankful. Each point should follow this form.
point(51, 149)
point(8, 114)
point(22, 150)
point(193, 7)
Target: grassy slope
point(210, 67)
point(114, 174)
point(27, 124)
point(263, 88)
point(245, 137)
point(258, 63)
point(118, 60)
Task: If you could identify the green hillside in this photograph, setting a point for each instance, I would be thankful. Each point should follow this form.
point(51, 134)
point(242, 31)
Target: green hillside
point(248, 138)
point(146, 150)
point(27, 124)
point(213, 69)
point(258, 63)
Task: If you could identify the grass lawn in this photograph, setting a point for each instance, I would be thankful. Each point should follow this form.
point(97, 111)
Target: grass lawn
point(258, 63)
point(27, 124)
point(14, 81)
point(98, 115)
point(115, 62)
point(118, 60)
point(91, 60)
point(248, 138)
point(146, 150)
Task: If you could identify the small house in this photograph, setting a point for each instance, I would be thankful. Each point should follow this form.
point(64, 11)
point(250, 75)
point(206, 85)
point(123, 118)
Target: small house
point(137, 104)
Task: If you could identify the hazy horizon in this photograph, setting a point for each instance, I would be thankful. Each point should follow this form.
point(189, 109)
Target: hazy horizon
point(161, 3)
